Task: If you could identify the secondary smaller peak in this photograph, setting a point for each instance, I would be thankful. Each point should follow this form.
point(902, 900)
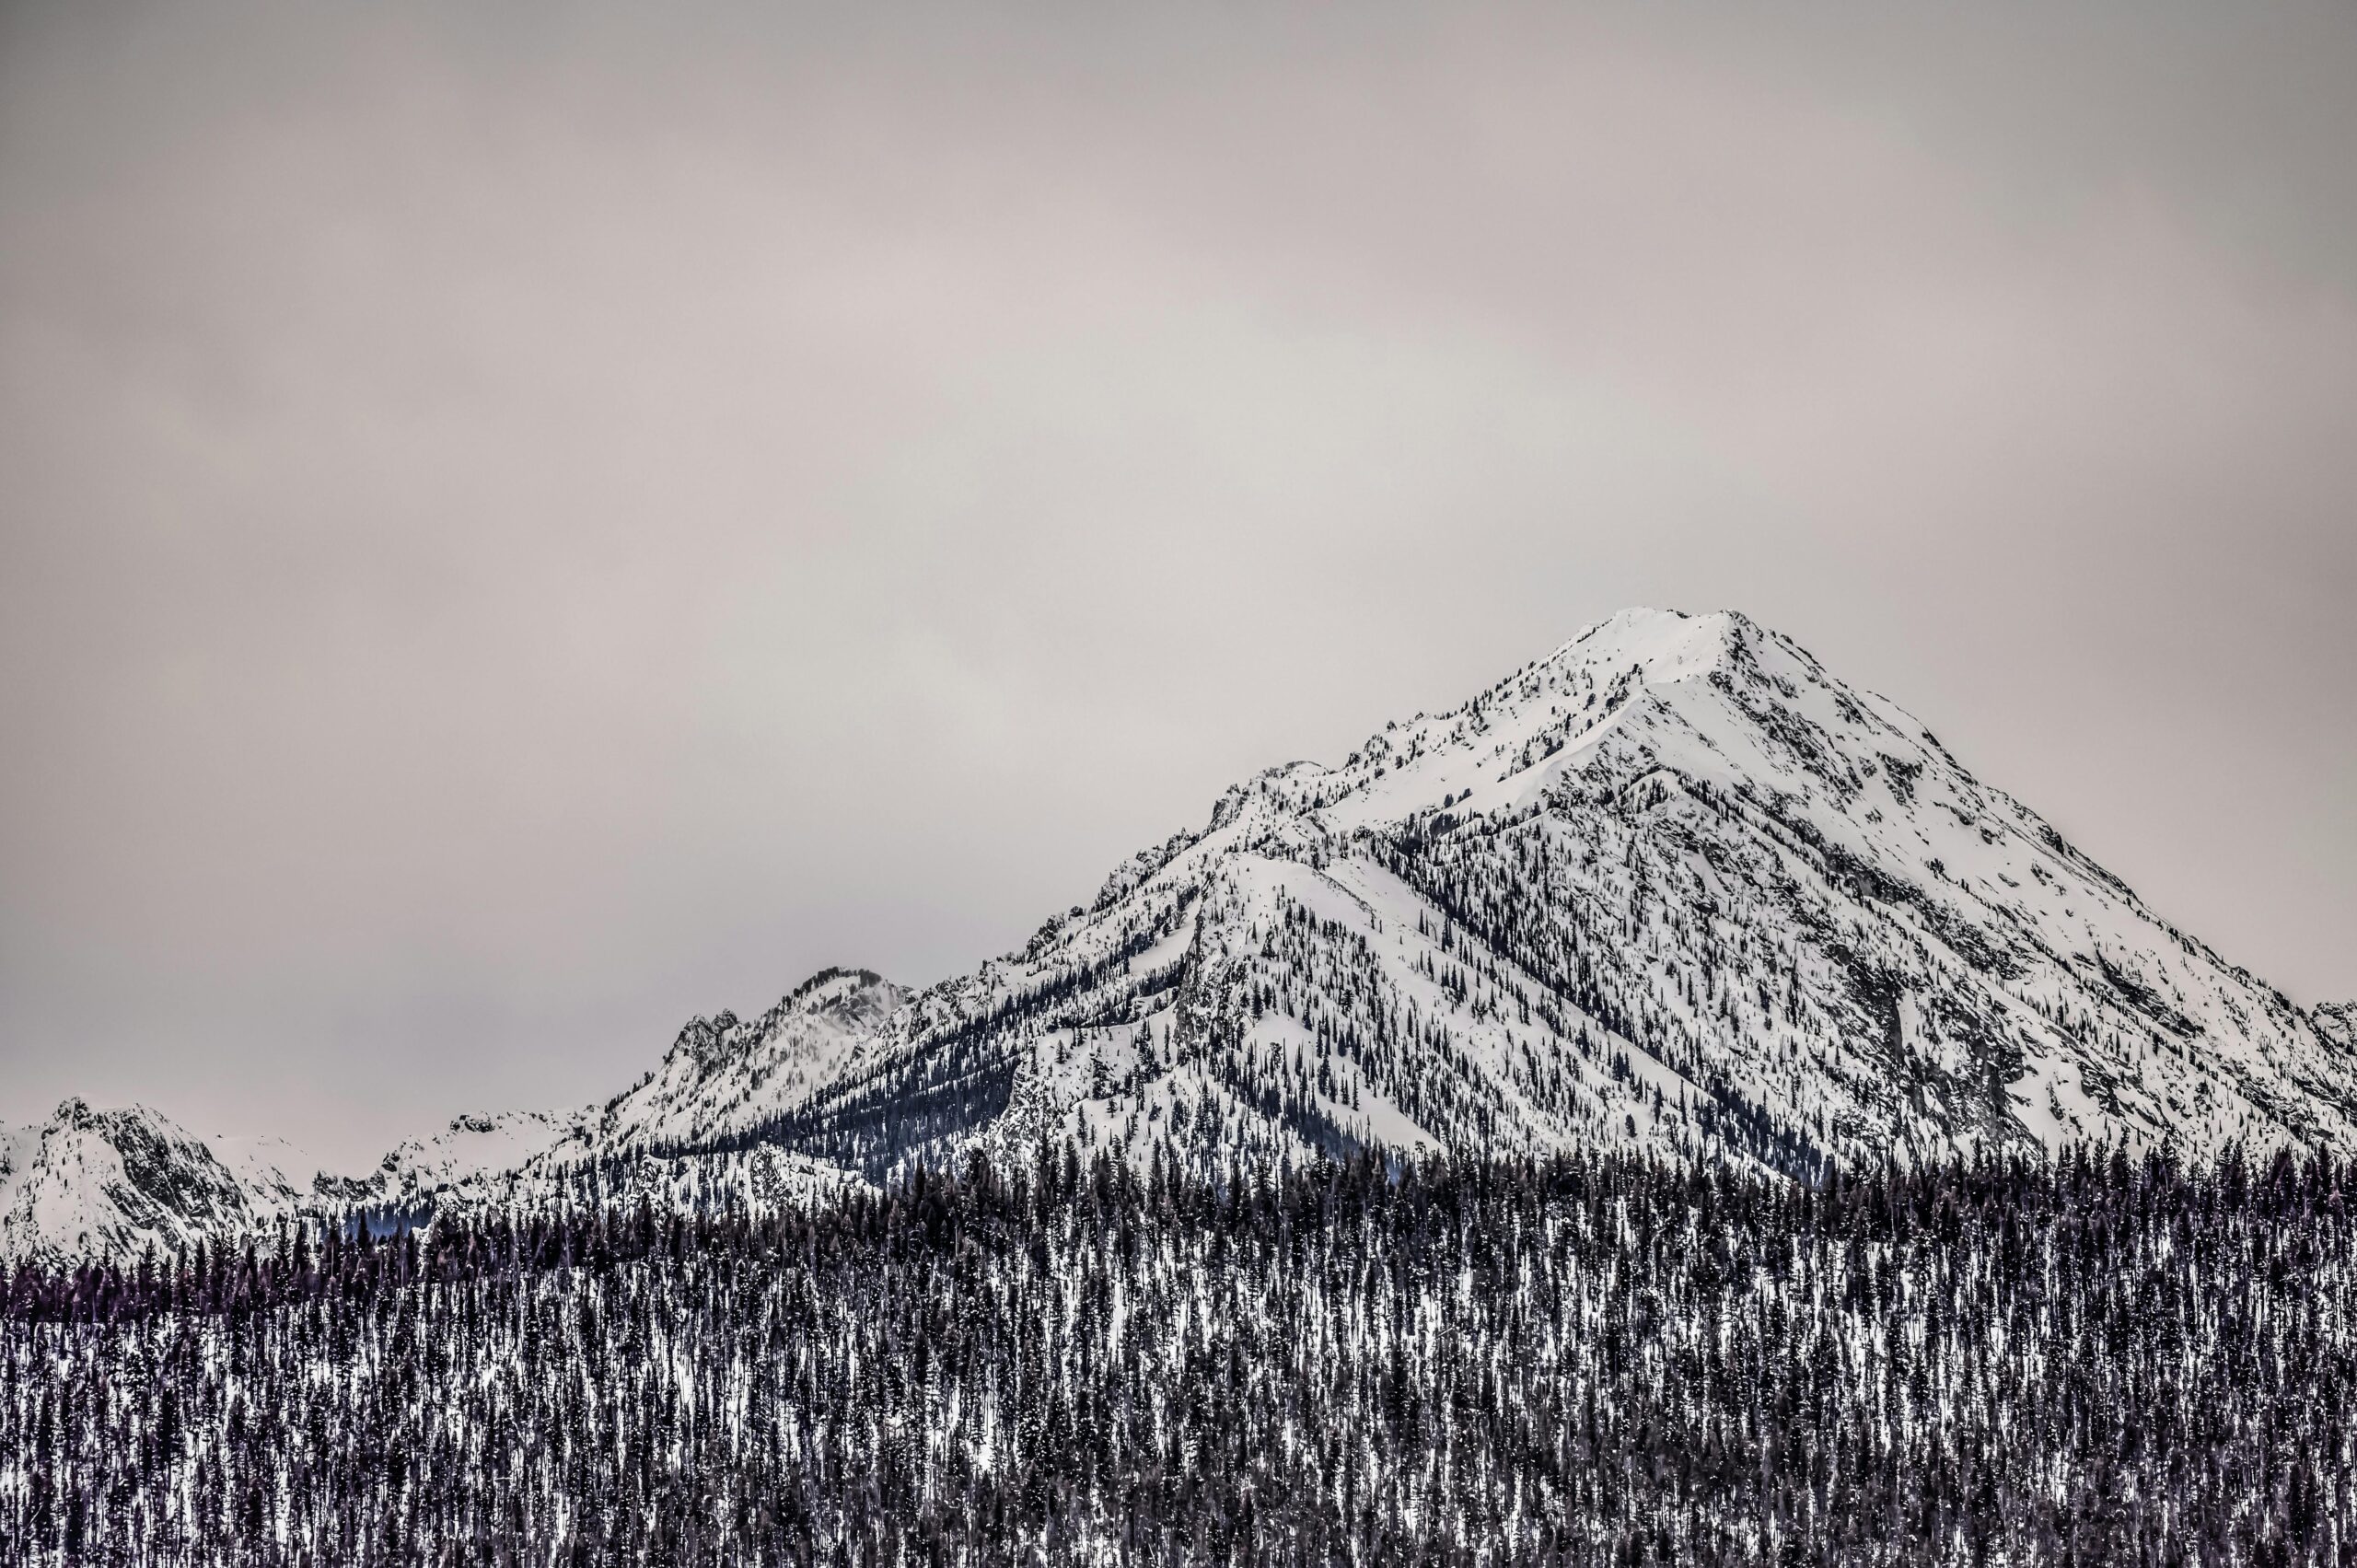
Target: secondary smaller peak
point(836, 992)
point(834, 981)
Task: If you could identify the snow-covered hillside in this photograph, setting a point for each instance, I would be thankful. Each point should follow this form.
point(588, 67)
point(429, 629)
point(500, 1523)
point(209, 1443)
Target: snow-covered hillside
point(722, 1077)
point(675, 1138)
point(473, 1156)
point(1673, 886)
point(115, 1182)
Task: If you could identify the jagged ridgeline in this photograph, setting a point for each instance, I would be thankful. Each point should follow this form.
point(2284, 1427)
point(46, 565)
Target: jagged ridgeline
point(1589, 1359)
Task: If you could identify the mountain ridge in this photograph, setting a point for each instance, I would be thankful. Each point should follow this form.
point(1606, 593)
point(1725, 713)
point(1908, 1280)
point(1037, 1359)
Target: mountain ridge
point(112, 1182)
point(1672, 886)
point(1631, 719)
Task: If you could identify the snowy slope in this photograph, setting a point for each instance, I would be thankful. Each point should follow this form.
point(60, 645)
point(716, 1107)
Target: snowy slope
point(675, 1138)
point(465, 1159)
point(1674, 885)
point(113, 1183)
point(722, 1077)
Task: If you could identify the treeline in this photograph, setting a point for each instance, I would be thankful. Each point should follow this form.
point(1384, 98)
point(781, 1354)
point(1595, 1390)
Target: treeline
point(1590, 1360)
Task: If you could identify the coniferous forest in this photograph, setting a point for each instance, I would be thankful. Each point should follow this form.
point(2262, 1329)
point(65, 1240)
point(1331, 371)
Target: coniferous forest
point(1592, 1359)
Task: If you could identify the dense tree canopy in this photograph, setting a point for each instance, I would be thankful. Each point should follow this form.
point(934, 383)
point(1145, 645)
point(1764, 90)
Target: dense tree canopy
point(1587, 1360)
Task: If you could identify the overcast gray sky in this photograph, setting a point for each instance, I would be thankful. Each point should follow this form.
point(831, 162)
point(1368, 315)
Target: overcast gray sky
point(520, 523)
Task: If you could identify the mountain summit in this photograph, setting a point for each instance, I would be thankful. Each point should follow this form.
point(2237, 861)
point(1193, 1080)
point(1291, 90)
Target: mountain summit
point(1674, 887)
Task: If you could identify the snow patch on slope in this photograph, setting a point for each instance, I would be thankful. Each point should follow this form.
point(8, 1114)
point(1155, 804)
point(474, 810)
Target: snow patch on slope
point(113, 1183)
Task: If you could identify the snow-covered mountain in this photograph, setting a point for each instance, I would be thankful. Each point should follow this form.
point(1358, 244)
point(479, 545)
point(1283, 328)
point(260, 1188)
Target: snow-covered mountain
point(723, 1078)
point(116, 1182)
point(1674, 886)
point(471, 1157)
point(677, 1136)
point(539, 1161)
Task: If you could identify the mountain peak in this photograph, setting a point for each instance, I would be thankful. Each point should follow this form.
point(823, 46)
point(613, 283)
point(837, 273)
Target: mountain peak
point(724, 1075)
point(1663, 646)
point(834, 986)
point(114, 1181)
point(1673, 888)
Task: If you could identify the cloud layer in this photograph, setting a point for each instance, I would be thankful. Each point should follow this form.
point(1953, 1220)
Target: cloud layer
point(524, 524)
